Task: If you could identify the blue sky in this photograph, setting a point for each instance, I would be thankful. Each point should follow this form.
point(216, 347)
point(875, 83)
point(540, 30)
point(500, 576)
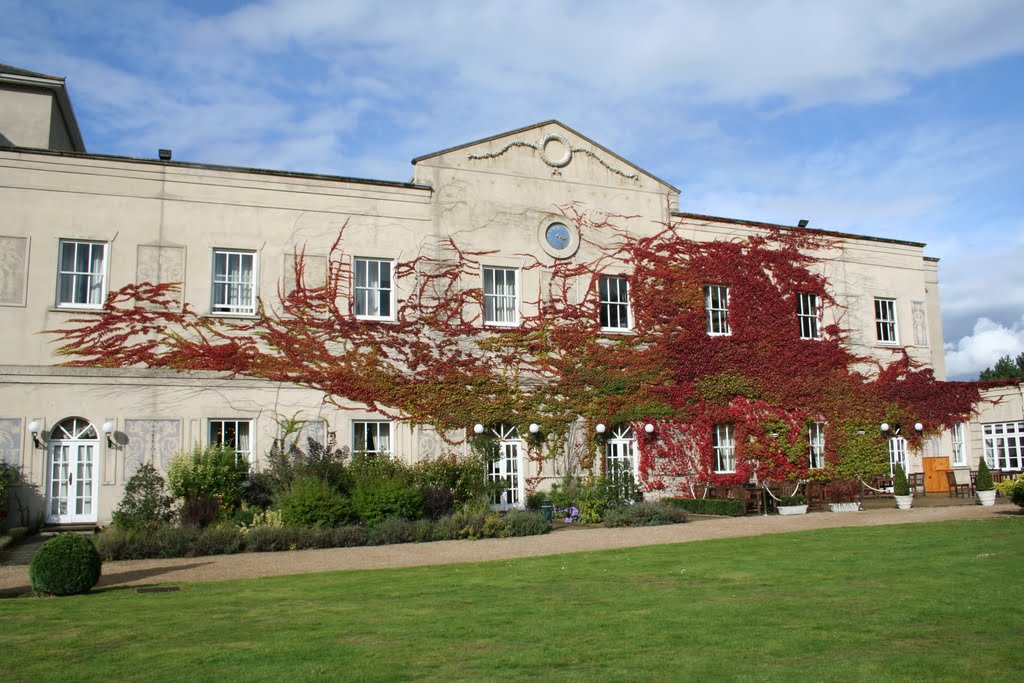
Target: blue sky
point(900, 119)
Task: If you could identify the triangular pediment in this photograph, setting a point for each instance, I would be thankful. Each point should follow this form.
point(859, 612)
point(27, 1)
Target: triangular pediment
point(546, 148)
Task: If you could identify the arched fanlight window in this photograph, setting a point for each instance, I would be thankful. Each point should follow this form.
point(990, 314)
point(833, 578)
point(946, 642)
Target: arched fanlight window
point(73, 428)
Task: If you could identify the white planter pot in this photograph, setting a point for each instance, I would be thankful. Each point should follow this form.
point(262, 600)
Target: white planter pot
point(792, 509)
point(987, 497)
point(904, 502)
point(844, 507)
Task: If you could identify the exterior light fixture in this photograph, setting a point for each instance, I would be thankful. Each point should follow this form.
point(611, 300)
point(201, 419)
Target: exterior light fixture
point(885, 426)
point(649, 428)
point(803, 223)
point(164, 154)
point(34, 428)
point(774, 435)
point(108, 429)
point(918, 426)
point(478, 428)
point(534, 427)
point(600, 428)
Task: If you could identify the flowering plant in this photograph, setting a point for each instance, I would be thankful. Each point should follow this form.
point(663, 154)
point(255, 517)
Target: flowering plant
point(572, 514)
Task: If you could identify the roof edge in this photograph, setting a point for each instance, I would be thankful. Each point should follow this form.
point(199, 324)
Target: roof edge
point(762, 224)
point(217, 167)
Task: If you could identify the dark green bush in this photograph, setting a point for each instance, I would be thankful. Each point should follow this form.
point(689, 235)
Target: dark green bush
point(465, 477)
point(394, 530)
point(523, 523)
point(259, 491)
point(349, 536)
point(265, 539)
point(464, 524)
point(145, 503)
point(900, 487)
point(652, 513)
point(535, 500)
point(376, 500)
point(216, 540)
point(314, 502)
point(983, 482)
point(200, 511)
point(792, 500)
point(67, 564)
point(437, 502)
point(131, 544)
point(708, 506)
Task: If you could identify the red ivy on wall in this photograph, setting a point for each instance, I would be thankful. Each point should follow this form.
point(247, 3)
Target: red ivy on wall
point(437, 364)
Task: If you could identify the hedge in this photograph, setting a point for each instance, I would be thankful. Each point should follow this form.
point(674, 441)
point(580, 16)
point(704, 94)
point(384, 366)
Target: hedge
point(709, 506)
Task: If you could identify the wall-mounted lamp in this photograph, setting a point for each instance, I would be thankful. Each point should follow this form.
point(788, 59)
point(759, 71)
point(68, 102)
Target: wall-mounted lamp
point(885, 426)
point(600, 428)
point(918, 426)
point(34, 428)
point(478, 428)
point(534, 427)
point(108, 429)
point(649, 428)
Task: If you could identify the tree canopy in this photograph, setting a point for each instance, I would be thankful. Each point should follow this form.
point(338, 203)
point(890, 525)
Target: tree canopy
point(1004, 368)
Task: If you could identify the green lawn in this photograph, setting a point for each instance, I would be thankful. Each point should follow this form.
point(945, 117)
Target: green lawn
point(910, 602)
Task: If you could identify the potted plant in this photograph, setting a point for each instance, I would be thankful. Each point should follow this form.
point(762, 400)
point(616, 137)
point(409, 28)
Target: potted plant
point(792, 505)
point(842, 496)
point(901, 489)
point(983, 485)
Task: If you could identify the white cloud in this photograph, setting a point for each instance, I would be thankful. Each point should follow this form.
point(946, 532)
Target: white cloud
point(966, 358)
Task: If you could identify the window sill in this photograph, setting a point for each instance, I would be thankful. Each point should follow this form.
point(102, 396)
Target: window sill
point(69, 309)
point(502, 325)
point(241, 316)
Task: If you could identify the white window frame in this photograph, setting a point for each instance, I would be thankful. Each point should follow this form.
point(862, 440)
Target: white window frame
point(217, 435)
point(816, 445)
point(1004, 445)
point(620, 452)
point(959, 436)
point(373, 296)
point(228, 293)
point(886, 325)
point(808, 314)
point(368, 433)
point(500, 302)
point(85, 288)
point(613, 292)
point(716, 310)
point(723, 442)
point(897, 454)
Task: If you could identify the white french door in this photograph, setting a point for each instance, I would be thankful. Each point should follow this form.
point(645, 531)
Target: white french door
point(506, 467)
point(71, 486)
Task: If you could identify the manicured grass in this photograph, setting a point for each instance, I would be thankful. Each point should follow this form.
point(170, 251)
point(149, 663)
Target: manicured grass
point(910, 602)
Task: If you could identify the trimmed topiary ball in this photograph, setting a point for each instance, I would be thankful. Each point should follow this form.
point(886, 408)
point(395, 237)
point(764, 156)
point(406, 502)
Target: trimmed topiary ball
point(65, 565)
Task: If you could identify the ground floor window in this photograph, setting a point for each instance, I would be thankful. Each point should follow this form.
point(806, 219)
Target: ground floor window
point(816, 445)
point(505, 466)
point(897, 454)
point(959, 456)
point(724, 443)
point(371, 437)
point(234, 433)
point(1004, 445)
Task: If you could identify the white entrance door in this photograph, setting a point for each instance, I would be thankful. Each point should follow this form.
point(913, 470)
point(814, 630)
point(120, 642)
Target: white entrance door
point(506, 467)
point(71, 475)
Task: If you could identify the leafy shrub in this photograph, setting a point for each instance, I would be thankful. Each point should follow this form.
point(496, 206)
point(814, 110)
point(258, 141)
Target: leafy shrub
point(259, 491)
point(287, 462)
point(314, 503)
point(464, 524)
point(708, 506)
point(437, 502)
point(900, 487)
point(465, 477)
point(1013, 488)
point(67, 564)
point(523, 523)
point(114, 543)
point(145, 503)
point(535, 500)
point(211, 472)
point(376, 500)
point(395, 530)
point(652, 513)
point(983, 482)
point(200, 511)
point(349, 536)
point(265, 539)
point(8, 477)
point(217, 540)
point(786, 501)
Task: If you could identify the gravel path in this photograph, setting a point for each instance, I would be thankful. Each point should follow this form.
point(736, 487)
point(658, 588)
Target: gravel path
point(14, 579)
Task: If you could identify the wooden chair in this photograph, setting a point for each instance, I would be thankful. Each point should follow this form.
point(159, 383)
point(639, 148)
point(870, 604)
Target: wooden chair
point(814, 494)
point(956, 489)
point(751, 498)
point(916, 481)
